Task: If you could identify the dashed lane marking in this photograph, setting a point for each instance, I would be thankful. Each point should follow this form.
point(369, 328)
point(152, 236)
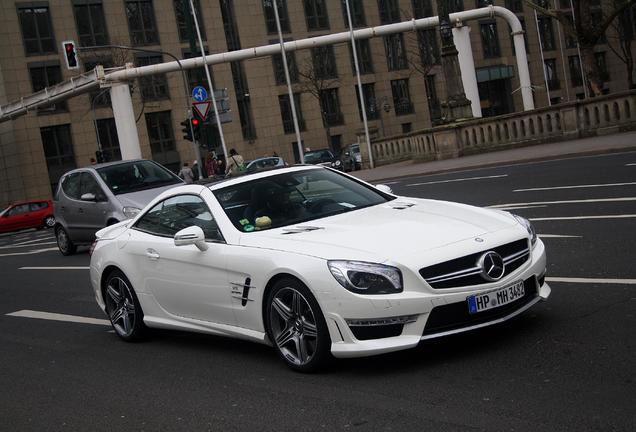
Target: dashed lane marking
point(519, 207)
point(29, 252)
point(631, 164)
point(575, 187)
point(458, 180)
point(544, 203)
point(56, 268)
point(624, 216)
point(557, 236)
point(58, 317)
point(27, 245)
point(592, 280)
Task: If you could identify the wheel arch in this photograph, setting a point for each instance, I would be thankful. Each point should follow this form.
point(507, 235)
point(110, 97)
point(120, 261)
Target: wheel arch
point(107, 271)
point(269, 286)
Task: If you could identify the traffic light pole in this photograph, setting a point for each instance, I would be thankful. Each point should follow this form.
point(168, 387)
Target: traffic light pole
point(126, 129)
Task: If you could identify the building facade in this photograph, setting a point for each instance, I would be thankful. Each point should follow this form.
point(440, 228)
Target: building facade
point(401, 77)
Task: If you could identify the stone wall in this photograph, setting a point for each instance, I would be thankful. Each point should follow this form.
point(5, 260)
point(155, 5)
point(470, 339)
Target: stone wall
point(590, 117)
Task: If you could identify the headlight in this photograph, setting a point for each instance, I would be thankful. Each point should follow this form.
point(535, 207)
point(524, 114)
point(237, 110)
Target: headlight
point(336, 163)
point(366, 278)
point(526, 223)
point(131, 212)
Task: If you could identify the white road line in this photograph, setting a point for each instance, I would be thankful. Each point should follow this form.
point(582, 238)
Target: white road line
point(56, 268)
point(632, 164)
point(458, 180)
point(557, 236)
point(575, 187)
point(27, 245)
point(519, 207)
point(625, 216)
point(579, 201)
point(592, 280)
point(58, 317)
point(390, 183)
point(29, 253)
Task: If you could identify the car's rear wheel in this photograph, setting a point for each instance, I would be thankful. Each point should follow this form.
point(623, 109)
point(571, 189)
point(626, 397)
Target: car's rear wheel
point(49, 222)
point(64, 243)
point(296, 326)
point(123, 308)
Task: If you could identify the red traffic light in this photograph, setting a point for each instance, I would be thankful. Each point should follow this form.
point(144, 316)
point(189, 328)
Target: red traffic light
point(195, 122)
point(70, 53)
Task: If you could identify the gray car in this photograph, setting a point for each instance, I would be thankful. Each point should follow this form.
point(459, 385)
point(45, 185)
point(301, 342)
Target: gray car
point(88, 199)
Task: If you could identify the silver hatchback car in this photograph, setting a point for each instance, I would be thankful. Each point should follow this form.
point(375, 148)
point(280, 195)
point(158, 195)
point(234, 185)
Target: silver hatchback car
point(90, 198)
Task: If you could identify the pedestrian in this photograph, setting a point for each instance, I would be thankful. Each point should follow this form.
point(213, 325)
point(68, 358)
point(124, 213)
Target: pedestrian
point(195, 170)
point(210, 164)
point(186, 173)
point(220, 165)
point(236, 164)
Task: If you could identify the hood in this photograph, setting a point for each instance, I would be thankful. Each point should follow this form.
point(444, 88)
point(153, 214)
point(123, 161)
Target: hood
point(141, 198)
point(397, 231)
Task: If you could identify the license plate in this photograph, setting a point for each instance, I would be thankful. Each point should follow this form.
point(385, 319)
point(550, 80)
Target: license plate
point(493, 299)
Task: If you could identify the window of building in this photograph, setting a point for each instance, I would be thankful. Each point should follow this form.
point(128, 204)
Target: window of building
point(183, 15)
point(370, 102)
point(108, 139)
point(490, 39)
point(365, 62)
point(407, 127)
point(389, 11)
point(401, 97)
point(162, 142)
point(58, 151)
point(330, 106)
point(316, 15)
point(626, 24)
point(357, 14)
point(434, 107)
point(279, 69)
point(575, 71)
point(395, 52)
point(270, 16)
point(153, 87)
point(324, 62)
point(243, 101)
point(546, 30)
point(601, 63)
point(428, 47)
point(287, 115)
point(46, 74)
point(515, 5)
point(551, 74)
point(230, 28)
point(455, 6)
point(483, 3)
point(91, 25)
point(37, 31)
point(197, 76)
point(422, 8)
point(141, 22)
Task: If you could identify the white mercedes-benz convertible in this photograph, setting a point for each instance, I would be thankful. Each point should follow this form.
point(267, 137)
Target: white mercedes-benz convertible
point(315, 263)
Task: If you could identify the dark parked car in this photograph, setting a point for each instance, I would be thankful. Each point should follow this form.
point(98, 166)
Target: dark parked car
point(90, 198)
point(30, 214)
point(324, 157)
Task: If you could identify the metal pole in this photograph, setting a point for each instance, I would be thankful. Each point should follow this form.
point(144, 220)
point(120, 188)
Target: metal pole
point(207, 73)
point(360, 90)
point(557, 5)
point(290, 91)
point(124, 120)
point(545, 75)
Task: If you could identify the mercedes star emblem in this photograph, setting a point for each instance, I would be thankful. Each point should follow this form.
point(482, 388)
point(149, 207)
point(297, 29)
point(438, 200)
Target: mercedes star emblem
point(492, 266)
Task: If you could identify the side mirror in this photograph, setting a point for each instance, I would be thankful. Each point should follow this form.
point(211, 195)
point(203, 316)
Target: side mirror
point(88, 197)
point(191, 236)
point(384, 188)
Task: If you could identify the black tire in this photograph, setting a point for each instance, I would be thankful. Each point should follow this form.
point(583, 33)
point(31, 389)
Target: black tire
point(64, 242)
point(296, 326)
point(123, 308)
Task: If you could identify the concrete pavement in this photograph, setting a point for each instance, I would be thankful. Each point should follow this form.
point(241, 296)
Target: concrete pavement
point(592, 145)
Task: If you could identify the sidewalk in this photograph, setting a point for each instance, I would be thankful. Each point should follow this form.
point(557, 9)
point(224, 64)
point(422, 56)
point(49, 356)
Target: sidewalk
point(593, 145)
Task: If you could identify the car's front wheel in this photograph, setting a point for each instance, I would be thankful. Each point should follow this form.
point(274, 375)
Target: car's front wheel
point(64, 243)
point(123, 308)
point(296, 326)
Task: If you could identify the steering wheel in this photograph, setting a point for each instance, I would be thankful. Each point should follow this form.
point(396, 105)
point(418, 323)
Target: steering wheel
point(316, 206)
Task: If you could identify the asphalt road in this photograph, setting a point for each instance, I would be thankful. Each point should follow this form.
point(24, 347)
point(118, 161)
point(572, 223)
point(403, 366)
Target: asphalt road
point(567, 364)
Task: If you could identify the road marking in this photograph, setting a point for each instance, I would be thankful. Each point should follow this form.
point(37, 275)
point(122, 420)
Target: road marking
point(557, 236)
point(575, 187)
point(56, 268)
point(58, 317)
point(32, 241)
point(518, 207)
point(632, 164)
point(458, 180)
point(625, 216)
point(390, 183)
point(29, 253)
point(592, 280)
point(544, 203)
point(26, 245)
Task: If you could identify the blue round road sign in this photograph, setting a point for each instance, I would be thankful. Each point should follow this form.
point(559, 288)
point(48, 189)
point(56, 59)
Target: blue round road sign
point(199, 94)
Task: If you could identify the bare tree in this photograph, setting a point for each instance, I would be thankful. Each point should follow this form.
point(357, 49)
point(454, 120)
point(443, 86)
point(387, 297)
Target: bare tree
point(620, 42)
point(591, 20)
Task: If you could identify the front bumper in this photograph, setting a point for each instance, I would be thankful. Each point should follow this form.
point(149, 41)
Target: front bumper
point(430, 315)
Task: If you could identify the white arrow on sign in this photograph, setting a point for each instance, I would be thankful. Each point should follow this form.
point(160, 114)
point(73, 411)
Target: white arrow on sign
point(203, 108)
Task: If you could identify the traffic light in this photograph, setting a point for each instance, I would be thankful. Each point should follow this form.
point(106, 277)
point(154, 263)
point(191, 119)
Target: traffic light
point(70, 54)
point(196, 128)
point(187, 135)
point(99, 156)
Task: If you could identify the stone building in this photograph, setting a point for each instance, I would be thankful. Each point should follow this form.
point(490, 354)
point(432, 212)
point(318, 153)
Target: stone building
point(400, 75)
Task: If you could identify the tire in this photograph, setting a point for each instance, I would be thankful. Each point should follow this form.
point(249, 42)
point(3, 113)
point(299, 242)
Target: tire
point(123, 308)
point(64, 242)
point(296, 326)
point(49, 222)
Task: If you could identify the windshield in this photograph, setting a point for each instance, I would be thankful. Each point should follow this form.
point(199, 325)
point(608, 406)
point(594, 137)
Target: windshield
point(294, 197)
point(135, 176)
point(318, 156)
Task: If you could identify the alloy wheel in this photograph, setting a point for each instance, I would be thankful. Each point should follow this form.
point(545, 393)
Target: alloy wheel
point(120, 306)
point(49, 222)
point(293, 326)
point(62, 240)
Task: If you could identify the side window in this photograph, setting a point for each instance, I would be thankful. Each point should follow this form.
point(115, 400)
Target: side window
point(37, 206)
point(71, 185)
point(90, 185)
point(179, 212)
point(19, 209)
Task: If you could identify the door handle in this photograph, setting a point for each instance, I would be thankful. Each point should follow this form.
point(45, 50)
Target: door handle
point(152, 254)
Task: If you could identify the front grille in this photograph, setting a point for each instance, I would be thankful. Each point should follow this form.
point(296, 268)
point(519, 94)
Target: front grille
point(460, 272)
point(456, 316)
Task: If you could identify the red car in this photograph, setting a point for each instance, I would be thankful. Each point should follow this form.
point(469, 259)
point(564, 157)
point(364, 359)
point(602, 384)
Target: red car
point(31, 214)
